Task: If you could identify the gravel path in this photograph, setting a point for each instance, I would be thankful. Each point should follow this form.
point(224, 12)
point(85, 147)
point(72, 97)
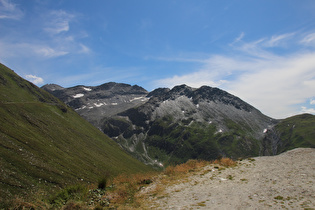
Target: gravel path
point(285, 181)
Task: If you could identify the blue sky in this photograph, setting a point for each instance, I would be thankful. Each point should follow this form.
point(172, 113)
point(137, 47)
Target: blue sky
point(262, 51)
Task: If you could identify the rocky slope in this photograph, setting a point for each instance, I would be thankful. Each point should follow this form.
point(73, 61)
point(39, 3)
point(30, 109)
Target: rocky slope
point(183, 123)
point(171, 125)
point(95, 103)
point(285, 181)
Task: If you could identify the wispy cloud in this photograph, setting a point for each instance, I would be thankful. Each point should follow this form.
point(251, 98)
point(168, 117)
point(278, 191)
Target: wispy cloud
point(277, 40)
point(59, 40)
point(48, 52)
point(29, 50)
point(274, 83)
point(58, 21)
point(35, 79)
point(84, 49)
point(307, 110)
point(9, 10)
point(239, 38)
point(309, 40)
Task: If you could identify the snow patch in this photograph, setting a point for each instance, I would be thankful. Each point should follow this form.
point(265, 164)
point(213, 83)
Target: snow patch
point(197, 106)
point(114, 104)
point(99, 105)
point(83, 107)
point(87, 89)
point(138, 98)
point(265, 130)
point(79, 95)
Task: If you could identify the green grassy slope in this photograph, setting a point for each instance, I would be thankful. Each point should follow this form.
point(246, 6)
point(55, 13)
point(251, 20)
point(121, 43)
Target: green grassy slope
point(44, 145)
point(296, 131)
point(292, 132)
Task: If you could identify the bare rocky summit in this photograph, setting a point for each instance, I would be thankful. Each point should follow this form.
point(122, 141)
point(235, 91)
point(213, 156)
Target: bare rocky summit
point(96, 102)
point(285, 181)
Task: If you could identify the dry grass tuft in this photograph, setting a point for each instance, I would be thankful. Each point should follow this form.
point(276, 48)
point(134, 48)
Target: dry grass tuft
point(189, 166)
point(227, 162)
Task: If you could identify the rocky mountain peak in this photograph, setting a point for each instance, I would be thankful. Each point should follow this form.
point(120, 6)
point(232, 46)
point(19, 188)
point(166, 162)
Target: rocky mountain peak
point(52, 87)
point(203, 94)
point(96, 102)
point(121, 88)
point(158, 92)
point(207, 93)
point(180, 90)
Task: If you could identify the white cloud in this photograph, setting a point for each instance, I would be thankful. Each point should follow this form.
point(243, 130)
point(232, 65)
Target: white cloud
point(277, 85)
point(11, 50)
point(58, 21)
point(239, 38)
point(312, 102)
point(278, 39)
point(45, 51)
point(309, 39)
point(307, 110)
point(273, 83)
point(35, 79)
point(84, 49)
point(9, 10)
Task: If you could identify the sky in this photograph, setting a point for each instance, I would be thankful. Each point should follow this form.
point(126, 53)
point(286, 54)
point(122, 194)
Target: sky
point(262, 51)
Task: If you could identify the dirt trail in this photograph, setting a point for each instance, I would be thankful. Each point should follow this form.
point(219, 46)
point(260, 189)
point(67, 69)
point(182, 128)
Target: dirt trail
point(286, 181)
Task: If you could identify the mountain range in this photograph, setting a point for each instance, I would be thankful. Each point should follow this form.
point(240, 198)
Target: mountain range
point(170, 126)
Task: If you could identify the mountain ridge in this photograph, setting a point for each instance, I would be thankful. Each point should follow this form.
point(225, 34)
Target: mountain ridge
point(204, 109)
point(172, 125)
point(90, 101)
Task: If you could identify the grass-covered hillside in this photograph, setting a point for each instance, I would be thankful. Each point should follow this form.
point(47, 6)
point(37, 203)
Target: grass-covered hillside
point(45, 145)
point(296, 131)
point(292, 132)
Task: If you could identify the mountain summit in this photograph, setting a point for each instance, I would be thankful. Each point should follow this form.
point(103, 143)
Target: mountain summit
point(97, 102)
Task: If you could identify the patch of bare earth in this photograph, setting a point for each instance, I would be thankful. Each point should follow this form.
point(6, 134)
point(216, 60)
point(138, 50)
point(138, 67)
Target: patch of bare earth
point(285, 181)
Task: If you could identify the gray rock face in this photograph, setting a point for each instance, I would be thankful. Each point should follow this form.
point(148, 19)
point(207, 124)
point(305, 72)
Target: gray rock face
point(95, 103)
point(184, 108)
point(170, 125)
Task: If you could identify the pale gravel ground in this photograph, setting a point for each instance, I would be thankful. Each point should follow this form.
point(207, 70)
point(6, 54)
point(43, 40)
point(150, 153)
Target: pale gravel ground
point(250, 185)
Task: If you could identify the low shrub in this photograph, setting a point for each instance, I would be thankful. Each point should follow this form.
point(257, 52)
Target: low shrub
point(76, 192)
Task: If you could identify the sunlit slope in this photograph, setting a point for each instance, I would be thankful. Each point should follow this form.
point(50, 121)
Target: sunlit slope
point(292, 132)
point(297, 131)
point(45, 145)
